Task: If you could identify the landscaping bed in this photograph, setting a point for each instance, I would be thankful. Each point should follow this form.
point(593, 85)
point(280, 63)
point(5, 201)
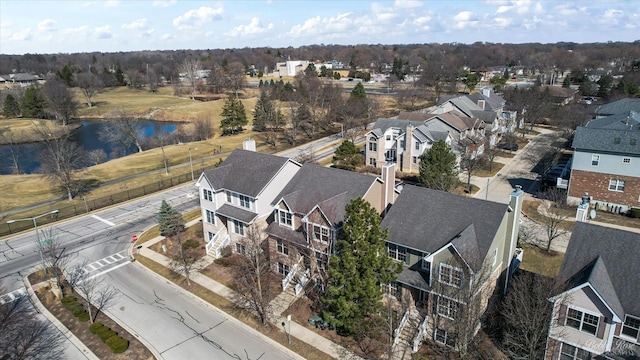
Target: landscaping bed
point(135, 351)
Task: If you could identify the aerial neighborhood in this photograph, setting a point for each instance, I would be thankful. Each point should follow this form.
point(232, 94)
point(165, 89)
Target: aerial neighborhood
point(201, 182)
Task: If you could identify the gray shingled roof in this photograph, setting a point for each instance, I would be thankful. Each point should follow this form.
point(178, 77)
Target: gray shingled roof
point(245, 172)
point(624, 121)
point(607, 140)
point(382, 124)
point(237, 213)
point(493, 102)
point(615, 275)
point(622, 106)
point(330, 188)
point(427, 220)
point(485, 115)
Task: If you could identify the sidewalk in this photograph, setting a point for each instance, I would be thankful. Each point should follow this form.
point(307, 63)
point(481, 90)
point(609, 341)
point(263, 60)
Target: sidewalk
point(301, 332)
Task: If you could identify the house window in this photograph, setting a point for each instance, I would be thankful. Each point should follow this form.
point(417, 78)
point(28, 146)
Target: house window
point(397, 252)
point(426, 264)
point(388, 137)
point(415, 159)
point(447, 307)
point(616, 185)
point(616, 140)
point(595, 160)
point(282, 247)
point(285, 218)
point(402, 144)
point(283, 269)
point(245, 201)
point(450, 275)
point(211, 217)
point(392, 289)
point(373, 146)
point(321, 233)
point(626, 160)
point(631, 326)
point(241, 249)
point(569, 352)
point(582, 321)
point(372, 162)
point(632, 142)
point(210, 235)
point(228, 196)
point(238, 227)
point(207, 194)
point(321, 260)
point(417, 145)
point(444, 337)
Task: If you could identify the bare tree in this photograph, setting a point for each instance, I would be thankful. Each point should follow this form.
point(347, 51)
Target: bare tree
point(185, 262)
point(54, 258)
point(490, 154)
point(306, 155)
point(60, 100)
point(60, 158)
point(203, 127)
point(96, 157)
point(552, 207)
point(189, 69)
point(9, 138)
point(97, 296)
point(90, 85)
point(251, 274)
point(236, 76)
point(25, 336)
point(470, 162)
point(122, 130)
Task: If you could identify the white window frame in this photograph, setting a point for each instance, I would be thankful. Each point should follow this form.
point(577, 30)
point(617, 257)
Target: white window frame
point(283, 269)
point(636, 329)
point(373, 145)
point(244, 201)
point(392, 289)
point(442, 336)
point(417, 147)
point(372, 161)
point(595, 160)
point(238, 227)
point(616, 185)
point(573, 352)
point(426, 262)
point(320, 233)
point(446, 307)
point(241, 249)
point(210, 235)
point(285, 218)
point(282, 247)
point(397, 252)
point(229, 197)
point(446, 275)
point(581, 320)
point(210, 216)
point(415, 159)
point(626, 160)
point(207, 194)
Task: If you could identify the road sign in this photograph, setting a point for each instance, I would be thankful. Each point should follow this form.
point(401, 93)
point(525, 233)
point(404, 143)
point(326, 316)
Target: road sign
point(45, 241)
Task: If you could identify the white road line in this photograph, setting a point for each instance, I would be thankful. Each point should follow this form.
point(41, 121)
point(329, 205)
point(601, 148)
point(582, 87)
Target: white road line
point(110, 269)
point(103, 220)
point(12, 296)
point(120, 257)
point(91, 266)
point(112, 258)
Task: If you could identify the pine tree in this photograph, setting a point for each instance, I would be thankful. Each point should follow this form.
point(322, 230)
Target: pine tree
point(358, 92)
point(170, 221)
point(234, 116)
point(358, 269)
point(10, 107)
point(33, 103)
point(66, 75)
point(438, 168)
point(263, 112)
point(347, 156)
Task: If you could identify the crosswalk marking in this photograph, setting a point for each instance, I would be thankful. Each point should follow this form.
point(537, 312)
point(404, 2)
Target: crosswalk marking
point(103, 220)
point(12, 296)
point(106, 261)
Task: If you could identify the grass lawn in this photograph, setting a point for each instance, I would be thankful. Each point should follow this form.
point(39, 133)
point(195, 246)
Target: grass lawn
point(539, 261)
point(484, 172)
point(530, 209)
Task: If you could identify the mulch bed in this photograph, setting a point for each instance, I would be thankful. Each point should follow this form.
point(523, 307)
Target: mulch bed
point(136, 350)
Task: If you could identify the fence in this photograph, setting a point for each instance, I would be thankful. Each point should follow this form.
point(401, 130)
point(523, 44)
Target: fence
point(89, 204)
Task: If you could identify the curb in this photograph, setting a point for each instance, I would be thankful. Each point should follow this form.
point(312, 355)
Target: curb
point(142, 340)
point(60, 326)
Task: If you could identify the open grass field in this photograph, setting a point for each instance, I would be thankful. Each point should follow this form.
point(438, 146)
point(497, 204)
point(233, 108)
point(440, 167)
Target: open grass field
point(541, 262)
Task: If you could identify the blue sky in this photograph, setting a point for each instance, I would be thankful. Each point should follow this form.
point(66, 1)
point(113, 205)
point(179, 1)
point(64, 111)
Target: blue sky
point(47, 26)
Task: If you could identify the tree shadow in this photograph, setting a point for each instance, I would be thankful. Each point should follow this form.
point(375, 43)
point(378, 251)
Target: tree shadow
point(529, 186)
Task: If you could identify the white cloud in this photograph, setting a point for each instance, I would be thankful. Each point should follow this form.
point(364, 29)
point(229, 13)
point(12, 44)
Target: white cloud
point(166, 37)
point(138, 24)
point(465, 19)
point(164, 3)
point(327, 25)
point(407, 4)
point(503, 9)
point(112, 3)
point(502, 22)
point(46, 25)
point(253, 28)
point(612, 14)
point(103, 32)
point(23, 35)
point(78, 31)
point(199, 17)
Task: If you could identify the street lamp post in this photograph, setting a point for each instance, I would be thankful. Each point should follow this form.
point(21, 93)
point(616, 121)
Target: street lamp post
point(35, 226)
point(191, 162)
point(285, 328)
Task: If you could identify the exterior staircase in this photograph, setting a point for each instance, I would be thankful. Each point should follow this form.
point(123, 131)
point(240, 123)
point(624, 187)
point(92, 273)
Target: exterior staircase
point(404, 338)
point(215, 245)
point(281, 303)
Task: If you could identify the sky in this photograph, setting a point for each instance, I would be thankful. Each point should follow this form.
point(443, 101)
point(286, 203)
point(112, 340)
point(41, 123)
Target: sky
point(48, 26)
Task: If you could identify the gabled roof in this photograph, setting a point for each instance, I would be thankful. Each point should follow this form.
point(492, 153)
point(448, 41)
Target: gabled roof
point(622, 106)
point(427, 220)
point(607, 140)
point(451, 119)
point(493, 102)
point(463, 104)
point(245, 172)
point(414, 116)
point(330, 189)
point(609, 259)
point(485, 115)
point(624, 121)
point(383, 124)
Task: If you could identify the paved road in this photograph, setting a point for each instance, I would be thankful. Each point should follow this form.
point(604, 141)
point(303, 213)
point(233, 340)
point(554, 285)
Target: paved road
point(176, 324)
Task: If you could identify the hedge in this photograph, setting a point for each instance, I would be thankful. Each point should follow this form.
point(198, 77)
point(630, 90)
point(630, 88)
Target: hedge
point(117, 344)
point(68, 299)
point(105, 333)
point(95, 327)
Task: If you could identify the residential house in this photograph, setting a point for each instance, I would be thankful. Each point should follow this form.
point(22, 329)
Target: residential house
point(291, 67)
point(560, 95)
point(309, 212)
point(23, 79)
point(597, 316)
point(490, 101)
point(606, 163)
point(239, 193)
point(449, 245)
point(622, 106)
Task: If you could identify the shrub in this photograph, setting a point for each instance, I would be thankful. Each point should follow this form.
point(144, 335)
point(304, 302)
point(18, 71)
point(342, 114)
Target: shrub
point(634, 213)
point(106, 333)
point(68, 299)
point(84, 317)
point(117, 344)
point(72, 305)
point(77, 312)
point(95, 327)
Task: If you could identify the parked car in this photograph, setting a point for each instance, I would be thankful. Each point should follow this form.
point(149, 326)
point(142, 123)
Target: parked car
point(508, 146)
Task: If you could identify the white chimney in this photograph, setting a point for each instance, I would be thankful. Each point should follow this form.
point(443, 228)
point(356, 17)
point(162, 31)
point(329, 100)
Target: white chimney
point(249, 144)
point(513, 227)
point(389, 179)
point(583, 208)
point(486, 91)
point(481, 104)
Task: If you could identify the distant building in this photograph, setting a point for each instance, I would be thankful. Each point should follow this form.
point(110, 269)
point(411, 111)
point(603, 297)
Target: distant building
point(291, 67)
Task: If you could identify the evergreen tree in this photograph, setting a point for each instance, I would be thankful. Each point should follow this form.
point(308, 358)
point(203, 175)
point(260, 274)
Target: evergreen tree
point(33, 103)
point(566, 83)
point(438, 168)
point(263, 112)
point(397, 68)
point(233, 115)
point(170, 221)
point(10, 107)
point(119, 75)
point(347, 156)
point(66, 75)
point(358, 269)
point(358, 92)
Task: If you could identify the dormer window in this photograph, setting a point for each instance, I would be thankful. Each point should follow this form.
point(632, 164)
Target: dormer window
point(616, 140)
point(582, 321)
point(285, 218)
point(631, 326)
point(321, 233)
point(450, 275)
point(397, 252)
